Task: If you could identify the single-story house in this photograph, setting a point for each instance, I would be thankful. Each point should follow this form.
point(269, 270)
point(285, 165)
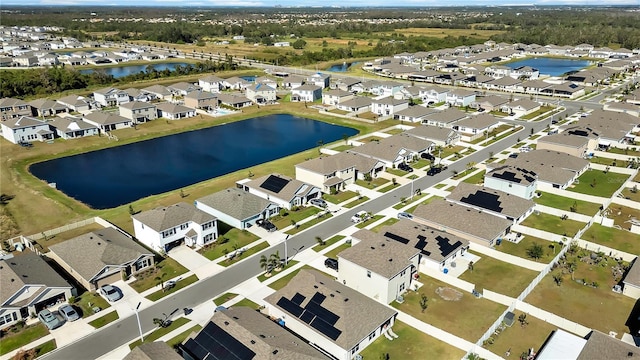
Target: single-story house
point(173, 111)
point(101, 257)
point(71, 127)
point(29, 285)
point(234, 101)
point(315, 307)
point(491, 102)
point(612, 128)
point(521, 107)
point(157, 350)
point(631, 281)
point(595, 346)
point(282, 190)
point(165, 227)
point(622, 107)
point(237, 207)
point(306, 93)
point(201, 99)
point(261, 94)
point(334, 97)
point(106, 121)
point(512, 180)
point(476, 126)
point(182, 88)
point(138, 111)
point(395, 149)
point(575, 141)
point(75, 103)
point(506, 83)
point(25, 129)
point(158, 92)
point(110, 96)
point(136, 94)
point(495, 202)
point(14, 108)
point(358, 104)
point(414, 114)
point(46, 107)
point(440, 136)
point(445, 118)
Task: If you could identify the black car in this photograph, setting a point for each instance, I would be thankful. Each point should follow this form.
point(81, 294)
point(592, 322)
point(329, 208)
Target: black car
point(267, 225)
point(434, 170)
point(331, 263)
point(405, 167)
point(427, 156)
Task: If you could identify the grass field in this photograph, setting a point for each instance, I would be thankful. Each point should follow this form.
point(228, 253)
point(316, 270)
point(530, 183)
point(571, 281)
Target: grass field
point(520, 249)
point(327, 243)
point(599, 183)
point(565, 203)
point(498, 276)
point(553, 224)
point(519, 339)
point(442, 33)
point(104, 320)
point(617, 239)
point(27, 334)
point(166, 269)
point(160, 332)
point(235, 237)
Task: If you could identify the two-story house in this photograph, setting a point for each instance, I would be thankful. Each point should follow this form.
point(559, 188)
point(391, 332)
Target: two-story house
point(110, 97)
point(282, 190)
point(138, 112)
point(25, 129)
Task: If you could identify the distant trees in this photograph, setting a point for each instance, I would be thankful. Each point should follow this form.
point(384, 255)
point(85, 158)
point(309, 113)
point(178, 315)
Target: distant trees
point(299, 44)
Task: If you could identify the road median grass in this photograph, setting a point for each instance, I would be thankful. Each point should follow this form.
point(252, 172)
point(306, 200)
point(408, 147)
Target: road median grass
point(104, 320)
point(245, 254)
point(354, 203)
point(160, 332)
point(327, 243)
point(307, 224)
point(155, 296)
point(23, 336)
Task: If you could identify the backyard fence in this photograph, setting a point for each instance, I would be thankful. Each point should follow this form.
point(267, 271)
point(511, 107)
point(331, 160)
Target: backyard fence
point(62, 229)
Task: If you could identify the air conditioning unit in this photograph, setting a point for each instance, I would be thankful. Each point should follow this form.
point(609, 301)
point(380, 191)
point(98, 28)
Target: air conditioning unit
point(357, 357)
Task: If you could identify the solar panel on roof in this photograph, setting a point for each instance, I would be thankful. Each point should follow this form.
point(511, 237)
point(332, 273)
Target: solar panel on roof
point(328, 330)
point(484, 200)
point(274, 184)
point(507, 175)
point(322, 313)
point(298, 298)
point(307, 316)
point(216, 344)
point(292, 308)
point(397, 238)
point(318, 298)
point(445, 246)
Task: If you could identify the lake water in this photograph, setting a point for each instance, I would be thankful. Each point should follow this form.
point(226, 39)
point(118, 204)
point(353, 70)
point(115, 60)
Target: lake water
point(116, 176)
point(551, 66)
point(122, 71)
point(340, 67)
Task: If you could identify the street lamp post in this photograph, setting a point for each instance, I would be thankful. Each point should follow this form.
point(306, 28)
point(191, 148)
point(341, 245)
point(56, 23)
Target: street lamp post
point(286, 258)
point(138, 318)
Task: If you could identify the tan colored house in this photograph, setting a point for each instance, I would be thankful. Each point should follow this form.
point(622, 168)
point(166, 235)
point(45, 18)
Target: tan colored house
point(101, 257)
point(138, 111)
point(631, 282)
point(567, 143)
point(201, 99)
point(13, 108)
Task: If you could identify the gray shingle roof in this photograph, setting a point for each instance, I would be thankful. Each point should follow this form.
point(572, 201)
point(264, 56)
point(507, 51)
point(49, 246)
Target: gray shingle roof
point(513, 174)
point(359, 315)
point(633, 276)
point(565, 139)
point(135, 105)
point(288, 192)
point(478, 121)
point(447, 116)
point(600, 346)
point(70, 123)
point(158, 350)
point(337, 162)
point(173, 108)
point(357, 102)
point(432, 132)
point(472, 195)
point(236, 203)
point(609, 124)
point(416, 111)
point(22, 122)
point(103, 118)
point(89, 253)
point(163, 218)
point(550, 166)
point(389, 148)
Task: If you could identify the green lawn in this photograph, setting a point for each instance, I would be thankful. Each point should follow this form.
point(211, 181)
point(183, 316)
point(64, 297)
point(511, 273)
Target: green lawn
point(357, 202)
point(637, 178)
point(224, 298)
point(88, 300)
point(160, 332)
point(498, 276)
point(498, 138)
point(520, 249)
point(146, 279)
point(262, 277)
point(411, 344)
point(440, 185)
point(104, 320)
point(327, 243)
point(397, 172)
point(178, 339)
point(342, 148)
point(371, 220)
point(263, 245)
point(37, 351)
point(420, 164)
point(157, 295)
point(339, 197)
point(553, 224)
point(446, 152)
point(374, 183)
point(462, 174)
point(629, 194)
point(387, 222)
point(427, 201)
point(543, 109)
point(608, 161)
point(246, 302)
point(598, 308)
point(617, 239)
point(389, 188)
point(282, 222)
point(407, 201)
point(300, 227)
point(334, 253)
point(599, 183)
point(565, 203)
point(476, 179)
point(468, 317)
point(24, 336)
point(629, 152)
point(226, 243)
point(520, 339)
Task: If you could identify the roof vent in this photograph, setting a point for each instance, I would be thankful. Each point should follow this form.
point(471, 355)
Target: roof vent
point(390, 260)
point(236, 318)
point(99, 243)
point(373, 248)
point(253, 341)
point(226, 323)
point(382, 244)
point(262, 336)
point(275, 351)
point(346, 299)
point(630, 354)
point(315, 286)
point(331, 295)
point(90, 237)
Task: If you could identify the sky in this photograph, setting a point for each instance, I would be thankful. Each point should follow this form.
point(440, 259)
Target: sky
point(309, 3)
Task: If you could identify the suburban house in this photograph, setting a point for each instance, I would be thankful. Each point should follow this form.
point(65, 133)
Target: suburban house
point(29, 285)
point(173, 111)
point(13, 108)
point(478, 226)
point(211, 83)
point(106, 121)
point(242, 333)
point(476, 126)
point(165, 227)
point(138, 112)
point(158, 92)
point(358, 105)
point(613, 128)
point(333, 173)
point(25, 129)
point(395, 149)
point(495, 202)
point(237, 207)
point(622, 107)
point(386, 88)
point(334, 317)
point(261, 94)
point(595, 346)
point(236, 83)
point(440, 136)
point(512, 180)
point(282, 190)
point(292, 82)
point(182, 88)
point(433, 94)
point(491, 102)
point(272, 83)
point(234, 101)
point(334, 97)
point(388, 106)
point(110, 97)
point(445, 118)
point(414, 114)
point(306, 93)
point(101, 257)
point(201, 99)
point(157, 350)
point(554, 169)
point(136, 94)
point(525, 72)
point(75, 103)
point(345, 84)
point(521, 107)
point(319, 79)
point(71, 127)
point(46, 108)
point(631, 281)
point(575, 141)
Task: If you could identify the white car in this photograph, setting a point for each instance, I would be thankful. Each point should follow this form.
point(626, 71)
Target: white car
point(360, 216)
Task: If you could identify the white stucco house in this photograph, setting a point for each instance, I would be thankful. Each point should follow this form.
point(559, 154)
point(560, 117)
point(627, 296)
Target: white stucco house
point(237, 207)
point(110, 96)
point(25, 129)
point(388, 106)
point(512, 180)
point(282, 190)
point(306, 93)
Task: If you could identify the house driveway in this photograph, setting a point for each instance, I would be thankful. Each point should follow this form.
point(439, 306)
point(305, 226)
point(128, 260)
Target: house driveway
point(188, 257)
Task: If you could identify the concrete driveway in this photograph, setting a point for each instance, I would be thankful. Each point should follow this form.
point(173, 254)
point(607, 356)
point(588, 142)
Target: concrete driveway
point(188, 257)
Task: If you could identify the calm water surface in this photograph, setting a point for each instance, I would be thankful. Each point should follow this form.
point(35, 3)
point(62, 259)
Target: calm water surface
point(551, 66)
point(116, 176)
point(122, 71)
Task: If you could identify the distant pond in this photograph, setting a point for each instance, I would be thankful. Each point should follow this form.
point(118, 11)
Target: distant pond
point(116, 176)
point(552, 66)
point(126, 70)
point(341, 67)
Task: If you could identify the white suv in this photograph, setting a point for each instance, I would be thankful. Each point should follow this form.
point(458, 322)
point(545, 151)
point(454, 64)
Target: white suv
point(360, 216)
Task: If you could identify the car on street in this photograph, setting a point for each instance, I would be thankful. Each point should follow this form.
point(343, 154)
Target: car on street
point(360, 216)
point(331, 263)
point(111, 293)
point(68, 312)
point(267, 225)
point(405, 215)
point(49, 319)
point(319, 203)
point(434, 170)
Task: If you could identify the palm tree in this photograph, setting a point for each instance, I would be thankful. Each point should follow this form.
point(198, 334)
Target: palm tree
point(160, 280)
point(264, 264)
point(572, 266)
point(319, 240)
point(274, 261)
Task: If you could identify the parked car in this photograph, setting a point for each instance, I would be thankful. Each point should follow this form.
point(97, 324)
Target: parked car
point(68, 312)
point(49, 319)
point(427, 156)
point(319, 203)
point(267, 225)
point(405, 215)
point(405, 167)
point(434, 170)
point(360, 216)
point(513, 155)
point(110, 292)
point(331, 263)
